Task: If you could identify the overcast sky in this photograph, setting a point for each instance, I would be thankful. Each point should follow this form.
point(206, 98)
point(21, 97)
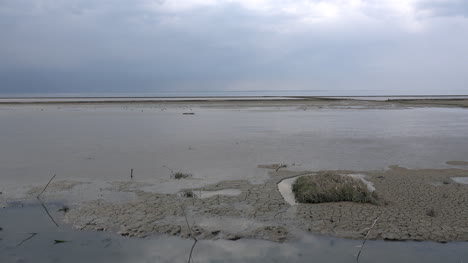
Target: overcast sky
point(152, 45)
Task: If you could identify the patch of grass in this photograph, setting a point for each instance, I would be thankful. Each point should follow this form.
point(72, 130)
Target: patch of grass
point(188, 194)
point(180, 175)
point(331, 187)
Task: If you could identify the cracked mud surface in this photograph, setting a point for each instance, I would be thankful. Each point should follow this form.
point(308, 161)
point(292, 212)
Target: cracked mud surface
point(260, 211)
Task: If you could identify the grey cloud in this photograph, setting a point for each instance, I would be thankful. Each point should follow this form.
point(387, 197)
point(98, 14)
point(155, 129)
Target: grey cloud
point(121, 45)
point(445, 8)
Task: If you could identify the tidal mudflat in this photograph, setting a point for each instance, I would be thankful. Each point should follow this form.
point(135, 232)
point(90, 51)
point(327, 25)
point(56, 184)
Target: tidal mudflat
point(115, 165)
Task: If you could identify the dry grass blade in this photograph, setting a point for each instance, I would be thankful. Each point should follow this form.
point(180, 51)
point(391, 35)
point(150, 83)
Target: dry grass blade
point(50, 216)
point(43, 190)
point(190, 259)
point(42, 204)
point(26, 239)
point(188, 225)
point(365, 239)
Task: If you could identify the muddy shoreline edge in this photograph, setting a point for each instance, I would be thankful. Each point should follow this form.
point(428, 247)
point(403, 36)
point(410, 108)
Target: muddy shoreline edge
point(420, 205)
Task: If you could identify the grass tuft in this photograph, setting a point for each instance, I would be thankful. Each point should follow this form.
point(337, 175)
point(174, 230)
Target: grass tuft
point(180, 175)
point(331, 187)
point(187, 193)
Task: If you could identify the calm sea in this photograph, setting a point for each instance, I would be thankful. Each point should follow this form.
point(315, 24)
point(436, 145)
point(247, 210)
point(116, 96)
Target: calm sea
point(236, 93)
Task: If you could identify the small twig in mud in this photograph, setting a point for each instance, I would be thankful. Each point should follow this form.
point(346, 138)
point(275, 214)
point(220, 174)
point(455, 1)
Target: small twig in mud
point(365, 239)
point(281, 166)
point(43, 190)
point(42, 204)
point(191, 235)
point(24, 240)
point(191, 251)
point(50, 216)
point(64, 209)
point(188, 225)
point(58, 241)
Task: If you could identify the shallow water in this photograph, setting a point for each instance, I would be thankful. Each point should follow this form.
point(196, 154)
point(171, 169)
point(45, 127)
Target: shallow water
point(103, 143)
point(461, 180)
point(233, 93)
point(105, 247)
point(285, 188)
point(247, 97)
point(134, 99)
point(382, 98)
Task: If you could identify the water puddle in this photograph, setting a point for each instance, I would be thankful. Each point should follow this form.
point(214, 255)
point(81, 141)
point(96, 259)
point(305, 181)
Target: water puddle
point(18, 244)
point(459, 163)
point(101, 142)
point(460, 180)
point(285, 188)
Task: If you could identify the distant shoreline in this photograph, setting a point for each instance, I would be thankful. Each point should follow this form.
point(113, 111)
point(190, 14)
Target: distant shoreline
point(420, 100)
point(199, 97)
